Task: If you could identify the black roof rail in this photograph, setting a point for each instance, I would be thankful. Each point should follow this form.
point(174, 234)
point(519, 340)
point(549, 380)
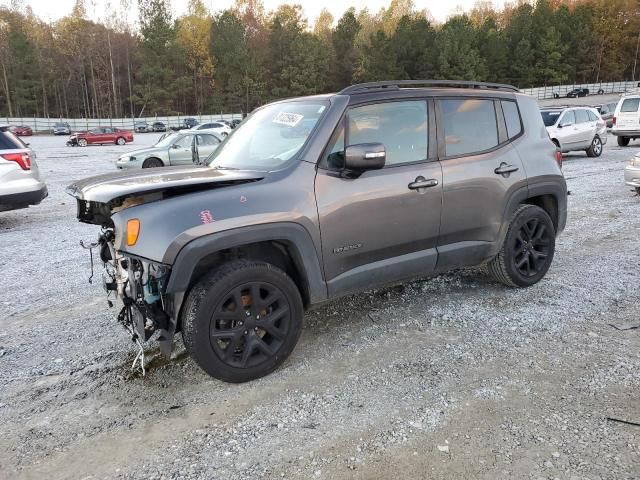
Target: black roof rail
point(397, 84)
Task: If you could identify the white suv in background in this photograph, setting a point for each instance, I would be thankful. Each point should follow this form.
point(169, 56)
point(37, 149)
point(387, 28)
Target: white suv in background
point(626, 119)
point(20, 182)
point(215, 127)
point(576, 128)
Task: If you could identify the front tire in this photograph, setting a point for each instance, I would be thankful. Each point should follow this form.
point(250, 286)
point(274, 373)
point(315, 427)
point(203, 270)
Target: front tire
point(528, 248)
point(242, 321)
point(120, 141)
point(595, 150)
point(152, 163)
point(623, 141)
point(82, 142)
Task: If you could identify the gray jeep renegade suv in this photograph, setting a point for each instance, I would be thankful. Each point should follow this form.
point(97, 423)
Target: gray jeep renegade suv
point(317, 197)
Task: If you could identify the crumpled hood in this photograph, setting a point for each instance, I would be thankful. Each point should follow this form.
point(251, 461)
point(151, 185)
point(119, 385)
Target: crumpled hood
point(100, 196)
point(108, 187)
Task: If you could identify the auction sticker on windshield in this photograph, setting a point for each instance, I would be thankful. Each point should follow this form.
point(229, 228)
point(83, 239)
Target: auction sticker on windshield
point(288, 119)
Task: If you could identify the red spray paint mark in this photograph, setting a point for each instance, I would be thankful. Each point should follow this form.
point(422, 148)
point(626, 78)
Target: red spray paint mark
point(206, 216)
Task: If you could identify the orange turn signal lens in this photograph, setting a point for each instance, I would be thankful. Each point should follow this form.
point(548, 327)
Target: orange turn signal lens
point(133, 230)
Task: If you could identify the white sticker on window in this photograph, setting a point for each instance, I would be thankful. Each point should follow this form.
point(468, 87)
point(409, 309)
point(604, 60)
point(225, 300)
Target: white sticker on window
point(288, 119)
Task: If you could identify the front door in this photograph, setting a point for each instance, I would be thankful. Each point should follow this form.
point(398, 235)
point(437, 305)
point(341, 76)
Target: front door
point(570, 136)
point(480, 170)
point(383, 225)
point(182, 151)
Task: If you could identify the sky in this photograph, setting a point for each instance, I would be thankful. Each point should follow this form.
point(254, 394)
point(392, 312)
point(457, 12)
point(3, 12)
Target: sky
point(50, 10)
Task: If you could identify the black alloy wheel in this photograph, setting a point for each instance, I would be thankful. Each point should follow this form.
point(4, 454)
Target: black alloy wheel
point(531, 247)
point(528, 248)
point(249, 324)
point(243, 320)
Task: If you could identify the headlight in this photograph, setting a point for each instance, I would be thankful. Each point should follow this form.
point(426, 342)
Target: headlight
point(634, 162)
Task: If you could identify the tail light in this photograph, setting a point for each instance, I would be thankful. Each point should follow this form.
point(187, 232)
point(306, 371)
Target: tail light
point(614, 120)
point(559, 158)
point(22, 159)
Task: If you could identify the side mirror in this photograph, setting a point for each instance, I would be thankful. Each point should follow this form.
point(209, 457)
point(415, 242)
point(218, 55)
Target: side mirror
point(565, 124)
point(364, 156)
point(175, 146)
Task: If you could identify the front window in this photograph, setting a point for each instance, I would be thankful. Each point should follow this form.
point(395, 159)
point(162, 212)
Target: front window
point(269, 137)
point(550, 118)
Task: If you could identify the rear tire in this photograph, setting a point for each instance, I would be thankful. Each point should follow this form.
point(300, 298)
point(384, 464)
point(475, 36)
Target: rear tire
point(120, 141)
point(528, 248)
point(595, 150)
point(82, 142)
point(242, 321)
point(152, 163)
point(623, 141)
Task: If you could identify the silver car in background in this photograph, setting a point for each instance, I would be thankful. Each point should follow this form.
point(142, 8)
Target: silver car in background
point(632, 173)
point(21, 184)
point(181, 148)
point(574, 128)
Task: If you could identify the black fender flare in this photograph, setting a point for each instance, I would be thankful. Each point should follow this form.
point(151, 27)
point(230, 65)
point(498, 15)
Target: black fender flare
point(294, 235)
point(556, 188)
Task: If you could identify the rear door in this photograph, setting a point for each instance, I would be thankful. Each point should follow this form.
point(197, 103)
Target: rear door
point(109, 136)
point(206, 144)
point(586, 127)
point(480, 170)
point(627, 118)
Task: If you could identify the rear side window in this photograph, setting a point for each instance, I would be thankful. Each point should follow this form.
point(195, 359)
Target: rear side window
point(401, 126)
point(8, 141)
point(582, 116)
point(630, 105)
point(511, 118)
point(592, 116)
point(469, 126)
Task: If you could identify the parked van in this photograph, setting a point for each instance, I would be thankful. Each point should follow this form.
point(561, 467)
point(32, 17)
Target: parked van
point(626, 120)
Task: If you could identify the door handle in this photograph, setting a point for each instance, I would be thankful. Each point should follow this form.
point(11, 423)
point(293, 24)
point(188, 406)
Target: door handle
point(505, 169)
point(422, 182)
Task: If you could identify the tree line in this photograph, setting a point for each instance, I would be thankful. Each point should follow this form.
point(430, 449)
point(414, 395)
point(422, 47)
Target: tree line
point(244, 56)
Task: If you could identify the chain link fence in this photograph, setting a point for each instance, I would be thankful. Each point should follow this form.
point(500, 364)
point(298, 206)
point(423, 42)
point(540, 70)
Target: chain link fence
point(45, 125)
point(559, 91)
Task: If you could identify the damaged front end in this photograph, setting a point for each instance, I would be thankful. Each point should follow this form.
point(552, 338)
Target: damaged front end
point(141, 286)
point(133, 257)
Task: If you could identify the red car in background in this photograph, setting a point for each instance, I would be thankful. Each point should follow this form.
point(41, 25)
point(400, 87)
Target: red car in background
point(21, 131)
point(99, 136)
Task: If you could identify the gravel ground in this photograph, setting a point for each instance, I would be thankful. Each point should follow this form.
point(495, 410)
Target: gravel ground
point(448, 377)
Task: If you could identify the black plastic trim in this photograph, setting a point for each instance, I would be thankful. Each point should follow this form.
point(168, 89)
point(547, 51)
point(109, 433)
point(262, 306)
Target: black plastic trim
point(22, 200)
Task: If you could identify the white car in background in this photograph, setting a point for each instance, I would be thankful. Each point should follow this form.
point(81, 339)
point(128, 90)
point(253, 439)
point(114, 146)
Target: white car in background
point(21, 184)
point(576, 128)
point(215, 127)
point(632, 173)
point(626, 119)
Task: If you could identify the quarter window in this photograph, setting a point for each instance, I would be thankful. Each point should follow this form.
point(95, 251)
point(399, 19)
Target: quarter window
point(511, 118)
point(402, 127)
point(592, 116)
point(469, 126)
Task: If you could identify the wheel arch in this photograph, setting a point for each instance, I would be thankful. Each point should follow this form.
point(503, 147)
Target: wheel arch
point(286, 245)
point(550, 194)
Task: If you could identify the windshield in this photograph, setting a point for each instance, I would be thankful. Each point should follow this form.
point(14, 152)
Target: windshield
point(269, 137)
point(168, 140)
point(550, 118)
